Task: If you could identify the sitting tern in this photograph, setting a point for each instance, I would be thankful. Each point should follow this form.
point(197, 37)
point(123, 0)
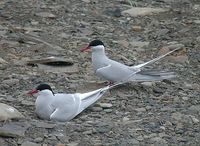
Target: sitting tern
point(63, 107)
point(114, 71)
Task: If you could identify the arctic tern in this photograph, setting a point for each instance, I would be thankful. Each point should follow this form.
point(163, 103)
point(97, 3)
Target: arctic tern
point(114, 71)
point(63, 107)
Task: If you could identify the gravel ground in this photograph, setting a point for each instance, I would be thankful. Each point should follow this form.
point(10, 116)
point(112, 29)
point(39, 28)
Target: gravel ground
point(157, 114)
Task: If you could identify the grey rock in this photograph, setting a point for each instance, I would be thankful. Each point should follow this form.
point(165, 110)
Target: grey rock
point(8, 112)
point(140, 109)
point(11, 82)
point(133, 141)
point(73, 144)
point(14, 129)
point(158, 141)
point(194, 119)
point(173, 46)
point(195, 109)
point(45, 15)
point(43, 124)
point(105, 105)
point(97, 109)
point(142, 11)
point(2, 61)
point(26, 102)
point(28, 143)
point(107, 110)
point(38, 139)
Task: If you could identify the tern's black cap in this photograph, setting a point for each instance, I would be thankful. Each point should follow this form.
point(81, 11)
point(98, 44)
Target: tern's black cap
point(44, 87)
point(96, 43)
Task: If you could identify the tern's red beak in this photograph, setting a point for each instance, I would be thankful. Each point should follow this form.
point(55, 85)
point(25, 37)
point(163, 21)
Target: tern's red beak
point(34, 91)
point(85, 49)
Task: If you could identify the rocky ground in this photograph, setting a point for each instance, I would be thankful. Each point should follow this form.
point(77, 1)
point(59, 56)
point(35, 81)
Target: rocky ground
point(157, 114)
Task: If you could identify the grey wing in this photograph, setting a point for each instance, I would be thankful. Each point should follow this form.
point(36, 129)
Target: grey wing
point(115, 72)
point(66, 107)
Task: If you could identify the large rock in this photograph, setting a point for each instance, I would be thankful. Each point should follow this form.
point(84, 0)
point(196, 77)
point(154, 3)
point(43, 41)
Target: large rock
point(8, 112)
point(14, 129)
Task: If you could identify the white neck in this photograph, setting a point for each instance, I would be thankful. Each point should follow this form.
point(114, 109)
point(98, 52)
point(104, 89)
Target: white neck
point(98, 57)
point(98, 50)
point(44, 97)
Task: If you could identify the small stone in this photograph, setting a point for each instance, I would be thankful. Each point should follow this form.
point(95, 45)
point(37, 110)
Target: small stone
point(2, 61)
point(34, 22)
point(173, 46)
point(133, 141)
point(88, 132)
point(46, 15)
point(178, 59)
point(137, 28)
point(149, 84)
point(142, 11)
point(60, 144)
point(194, 119)
point(25, 102)
point(195, 109)
point(125, 119)
point(157, 141)
point(197, 21)
point(97, 109)
point(140, 109)
point(105, 105)
point(107, 110)
point(140, 138)
point(28, 143)
point(43, 124)
point(139, 44)
point(72, 144)
point(162, 127)
point(38, 139)
point(11, 82)
point(177, 116)
point(86, 1)
point(185, 98)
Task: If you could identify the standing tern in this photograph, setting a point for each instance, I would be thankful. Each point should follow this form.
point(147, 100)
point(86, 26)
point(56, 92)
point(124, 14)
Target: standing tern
point(114, 71)
point(63, 107)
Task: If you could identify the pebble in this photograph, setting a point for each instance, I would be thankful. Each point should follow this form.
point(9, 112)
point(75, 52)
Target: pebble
point(28, 143)
point(97, 109)
point(38, 139)
point(137, 28)
point(178, 59)
point(26, 102)
point(195, 109)
point(105, 105)
point(194, 119)
point(72, 144)
point(46, 15)
point(148, 84)
point(43, 124)
point(185, 98)
point(139, 44)
point(125, 119)
point(132, 141)
point(11, 82)
point(2, 61)
point(158, 141)
point(142, 11)
point(140, 109)
point(107, 110)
